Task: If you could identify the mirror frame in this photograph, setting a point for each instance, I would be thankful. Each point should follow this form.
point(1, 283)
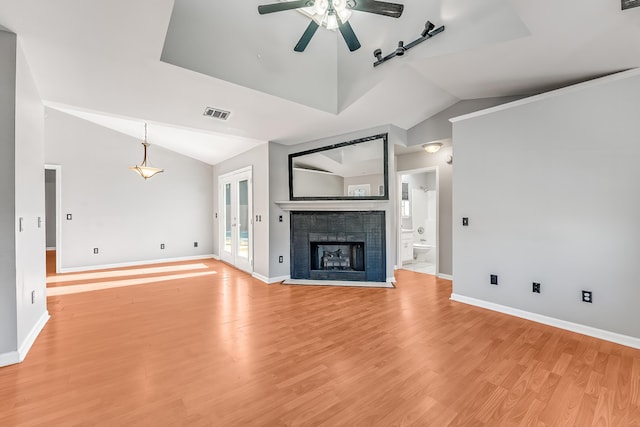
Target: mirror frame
point(385, 196)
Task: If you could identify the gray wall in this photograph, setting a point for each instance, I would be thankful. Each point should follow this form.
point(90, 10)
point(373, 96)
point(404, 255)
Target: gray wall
point(8, 320)
point(551, 188)
point(50, 206)
point(257, 158)
point(310, 184)
point(438, 128)
point(114, 209)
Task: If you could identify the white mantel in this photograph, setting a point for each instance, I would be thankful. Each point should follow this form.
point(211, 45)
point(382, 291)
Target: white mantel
point(332, 205)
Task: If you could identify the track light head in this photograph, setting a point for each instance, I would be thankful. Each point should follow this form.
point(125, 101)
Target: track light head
point(427, 27)
point(378, 54)
point(400, 49)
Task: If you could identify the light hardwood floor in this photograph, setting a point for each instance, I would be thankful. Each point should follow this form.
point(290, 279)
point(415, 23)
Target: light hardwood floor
point(224, 349)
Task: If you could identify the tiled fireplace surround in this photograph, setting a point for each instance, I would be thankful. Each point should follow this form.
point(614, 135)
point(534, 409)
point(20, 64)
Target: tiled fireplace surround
point(338, 245)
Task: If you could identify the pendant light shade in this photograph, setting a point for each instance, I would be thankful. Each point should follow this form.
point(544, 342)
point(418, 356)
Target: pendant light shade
point(144, 170)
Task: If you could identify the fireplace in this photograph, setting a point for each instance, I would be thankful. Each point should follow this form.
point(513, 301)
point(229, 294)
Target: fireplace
point(338, 246)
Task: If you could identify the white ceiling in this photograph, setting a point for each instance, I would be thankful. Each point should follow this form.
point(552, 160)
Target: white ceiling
point(101, 61)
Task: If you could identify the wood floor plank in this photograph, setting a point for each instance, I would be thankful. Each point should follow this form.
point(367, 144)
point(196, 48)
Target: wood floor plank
point(224, 349)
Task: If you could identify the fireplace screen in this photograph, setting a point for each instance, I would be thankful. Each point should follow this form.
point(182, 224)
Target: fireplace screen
point(337, 256)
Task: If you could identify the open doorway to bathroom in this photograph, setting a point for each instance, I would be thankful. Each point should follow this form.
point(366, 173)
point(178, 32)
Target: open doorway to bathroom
point(419, 220)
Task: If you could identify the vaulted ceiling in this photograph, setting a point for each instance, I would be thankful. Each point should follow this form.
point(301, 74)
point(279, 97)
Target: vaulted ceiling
point(120, 63)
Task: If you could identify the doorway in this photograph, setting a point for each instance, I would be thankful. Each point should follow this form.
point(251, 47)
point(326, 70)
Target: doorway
point(53, 217)
point(236, 207)
point(418, 226)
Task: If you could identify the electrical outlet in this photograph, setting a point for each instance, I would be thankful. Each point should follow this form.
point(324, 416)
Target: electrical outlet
point(494, 279)
point(195, 244)
point(280, 259)
point(536, 288)
point(95, 250)
point(33, 297)
point(161, 245)
point(587, 296)
point(69, 217)
point(465, 222)
point(280, 218)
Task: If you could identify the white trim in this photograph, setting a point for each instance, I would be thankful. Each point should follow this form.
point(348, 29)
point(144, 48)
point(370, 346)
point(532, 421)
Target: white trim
point(237, 171)
point(13, 357)
point(332, 205)
point(445, 276)
point(551, 321)
point(9, 358)
point(548, 95)
point(134, 263)
point(270, 280)
point(33, 334)
point(50, 249)
point(216, 257)
point(391, 279)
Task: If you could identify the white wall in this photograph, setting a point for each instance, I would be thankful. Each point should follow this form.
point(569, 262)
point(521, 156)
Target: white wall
point(551, 189)
point(22, 248)
point(258, 159)
point(114, 209)
point(30, 205)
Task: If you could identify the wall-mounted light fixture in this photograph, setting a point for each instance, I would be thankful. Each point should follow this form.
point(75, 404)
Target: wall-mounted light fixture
point(429, 31)
point(144, 170)
point(432, 147)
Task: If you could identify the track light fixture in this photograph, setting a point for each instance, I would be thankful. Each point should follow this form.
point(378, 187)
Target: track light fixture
point(429, 31)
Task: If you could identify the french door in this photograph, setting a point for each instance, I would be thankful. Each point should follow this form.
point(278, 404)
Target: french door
point(236, 214)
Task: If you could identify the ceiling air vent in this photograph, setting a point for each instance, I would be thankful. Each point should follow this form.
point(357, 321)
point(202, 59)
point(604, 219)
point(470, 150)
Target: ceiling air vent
point(216, 114)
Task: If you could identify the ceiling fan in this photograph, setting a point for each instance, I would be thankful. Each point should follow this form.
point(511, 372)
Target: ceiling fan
point(333, 14)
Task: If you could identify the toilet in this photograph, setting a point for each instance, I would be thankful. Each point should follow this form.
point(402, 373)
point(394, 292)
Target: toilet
point(421, 251)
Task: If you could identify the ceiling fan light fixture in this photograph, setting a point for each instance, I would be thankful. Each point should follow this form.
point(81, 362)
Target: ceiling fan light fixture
point(432, 147)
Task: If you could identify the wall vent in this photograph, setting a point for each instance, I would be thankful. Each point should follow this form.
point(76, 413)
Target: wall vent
point(216, 114)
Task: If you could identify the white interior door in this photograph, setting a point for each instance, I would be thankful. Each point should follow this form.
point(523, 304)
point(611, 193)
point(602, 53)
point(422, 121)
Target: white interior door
point(236, 225)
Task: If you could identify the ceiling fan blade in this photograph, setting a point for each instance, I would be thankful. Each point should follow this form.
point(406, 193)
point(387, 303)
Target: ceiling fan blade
point(306, 37)
point(348, 35)
point(393, 10)
point(279, 7)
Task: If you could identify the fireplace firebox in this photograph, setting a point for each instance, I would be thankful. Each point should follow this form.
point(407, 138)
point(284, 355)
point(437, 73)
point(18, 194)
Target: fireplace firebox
point(338, 246)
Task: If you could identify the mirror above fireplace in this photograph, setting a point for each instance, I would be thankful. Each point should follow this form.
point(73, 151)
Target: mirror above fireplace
point(351, 170)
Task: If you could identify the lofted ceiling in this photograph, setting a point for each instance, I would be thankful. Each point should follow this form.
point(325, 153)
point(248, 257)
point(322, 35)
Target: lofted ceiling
point(125, 62)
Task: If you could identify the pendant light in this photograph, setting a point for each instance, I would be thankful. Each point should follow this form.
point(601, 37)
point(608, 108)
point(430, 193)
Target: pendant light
point(144, 170)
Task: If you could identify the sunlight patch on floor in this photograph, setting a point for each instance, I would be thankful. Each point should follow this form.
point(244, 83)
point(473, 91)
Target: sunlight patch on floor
point(119, 273)
point(74, 289)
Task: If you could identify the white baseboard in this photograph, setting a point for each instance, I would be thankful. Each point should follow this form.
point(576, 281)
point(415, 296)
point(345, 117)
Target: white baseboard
point(13, 357)
point(445, 276)
point(9, 358)
point(134, 263)
point(51, 249)
point(216, 257)
point(391, 279)
point(33, 334)
point(270, 280)
point(551, 321)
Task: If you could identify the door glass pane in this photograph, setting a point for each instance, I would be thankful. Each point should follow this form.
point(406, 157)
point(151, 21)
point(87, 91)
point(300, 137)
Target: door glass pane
point(227, 217)
point(243, 219)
